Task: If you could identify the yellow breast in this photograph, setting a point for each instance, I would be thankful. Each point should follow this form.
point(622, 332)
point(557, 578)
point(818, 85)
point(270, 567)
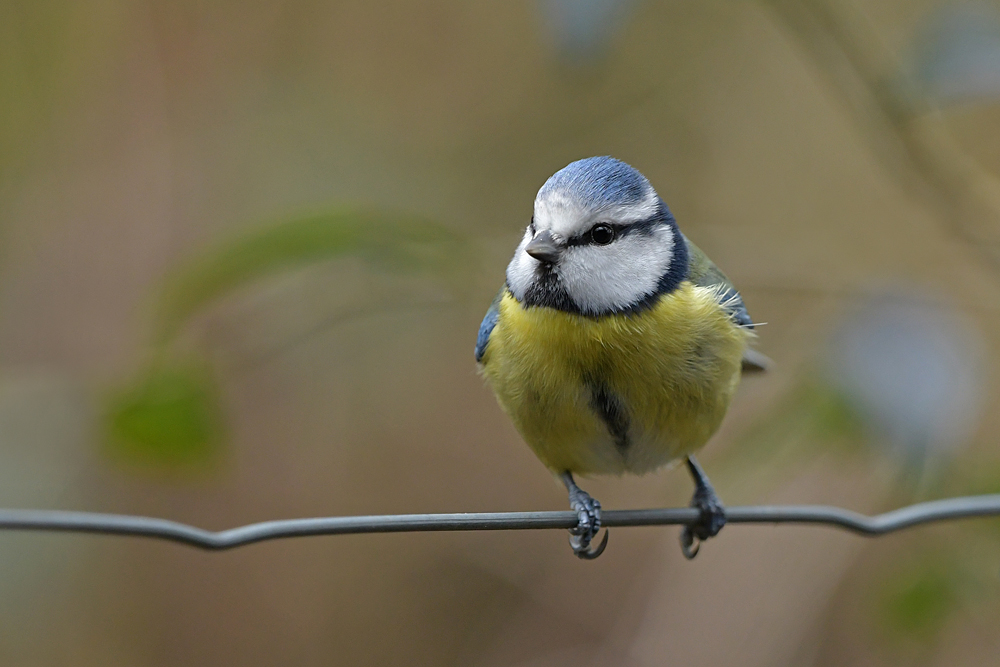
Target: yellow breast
point(618, 393)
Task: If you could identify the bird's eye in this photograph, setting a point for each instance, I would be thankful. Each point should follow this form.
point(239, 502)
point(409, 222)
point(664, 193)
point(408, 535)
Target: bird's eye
point(602, 234)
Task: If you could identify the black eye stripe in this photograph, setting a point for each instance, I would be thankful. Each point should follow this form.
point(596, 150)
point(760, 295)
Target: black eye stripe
point(619, 230)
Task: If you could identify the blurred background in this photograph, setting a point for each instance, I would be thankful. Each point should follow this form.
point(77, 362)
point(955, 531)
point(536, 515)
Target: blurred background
point(245, 248)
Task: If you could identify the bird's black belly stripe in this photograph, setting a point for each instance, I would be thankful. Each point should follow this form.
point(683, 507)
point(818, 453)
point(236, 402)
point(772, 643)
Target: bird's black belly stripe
point(612, 412)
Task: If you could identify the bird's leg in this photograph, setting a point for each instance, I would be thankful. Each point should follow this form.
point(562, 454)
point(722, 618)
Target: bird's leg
point(588, 524)
point(713, 513)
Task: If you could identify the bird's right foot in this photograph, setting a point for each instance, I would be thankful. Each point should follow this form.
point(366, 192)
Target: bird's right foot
point(712, 512)
point(588, 512)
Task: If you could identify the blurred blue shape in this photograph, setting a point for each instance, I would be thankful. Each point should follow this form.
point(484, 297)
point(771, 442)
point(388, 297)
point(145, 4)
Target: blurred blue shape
point(914, 370)
point(956, 57)
point(581, 30)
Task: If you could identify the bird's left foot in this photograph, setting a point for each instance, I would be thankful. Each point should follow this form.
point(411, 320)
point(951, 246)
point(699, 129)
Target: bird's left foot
point(589, 522)
point(712, 512)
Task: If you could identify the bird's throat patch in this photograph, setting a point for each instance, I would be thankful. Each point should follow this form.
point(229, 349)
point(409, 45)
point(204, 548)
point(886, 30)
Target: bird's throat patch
point(546, 291)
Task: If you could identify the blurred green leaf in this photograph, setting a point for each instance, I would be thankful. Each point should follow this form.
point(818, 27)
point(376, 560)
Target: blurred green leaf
point(169, 416)
point(392, 241)
point(917, 601)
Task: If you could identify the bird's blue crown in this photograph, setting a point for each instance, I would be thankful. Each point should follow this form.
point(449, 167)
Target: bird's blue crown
point(598, 182)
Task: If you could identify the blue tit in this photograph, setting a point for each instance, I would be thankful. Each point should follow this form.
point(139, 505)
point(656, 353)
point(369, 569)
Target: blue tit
point(615, 345)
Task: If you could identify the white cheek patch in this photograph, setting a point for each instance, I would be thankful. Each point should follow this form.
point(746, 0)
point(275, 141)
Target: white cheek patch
point(617, 276)
point(521, 270)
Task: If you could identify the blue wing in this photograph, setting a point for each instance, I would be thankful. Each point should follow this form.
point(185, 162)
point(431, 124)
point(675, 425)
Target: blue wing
point(486, 328)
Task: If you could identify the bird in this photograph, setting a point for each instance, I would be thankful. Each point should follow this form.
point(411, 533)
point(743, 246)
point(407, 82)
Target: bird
point(615, 345)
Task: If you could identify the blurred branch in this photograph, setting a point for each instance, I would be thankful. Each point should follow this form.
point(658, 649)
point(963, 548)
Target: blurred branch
point(255, 359)
point(137, 526)
point(393, 241)
point(901, 122)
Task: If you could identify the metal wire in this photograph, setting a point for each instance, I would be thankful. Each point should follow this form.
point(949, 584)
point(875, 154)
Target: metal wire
point(139, 526)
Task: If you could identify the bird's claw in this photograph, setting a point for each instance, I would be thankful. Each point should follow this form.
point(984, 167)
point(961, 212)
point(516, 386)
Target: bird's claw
point(582, 549)
point(711, 520)
point(588, 522)
point(588, 511)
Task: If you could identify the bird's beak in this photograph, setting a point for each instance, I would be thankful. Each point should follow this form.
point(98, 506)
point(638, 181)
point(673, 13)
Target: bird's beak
point(543, 247)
